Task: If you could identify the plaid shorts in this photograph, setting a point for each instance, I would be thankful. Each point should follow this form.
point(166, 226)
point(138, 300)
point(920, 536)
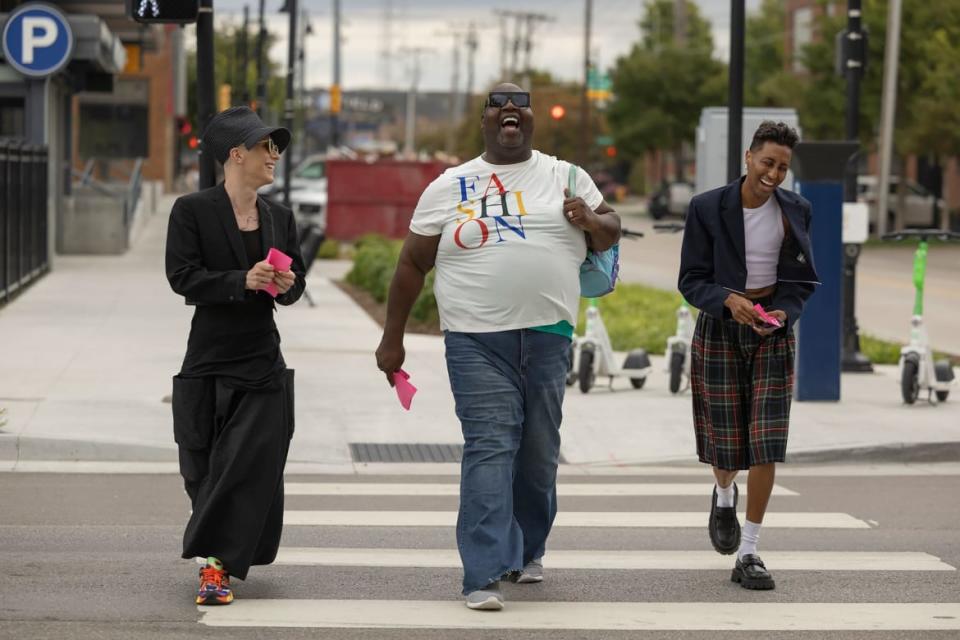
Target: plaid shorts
point(742, 384)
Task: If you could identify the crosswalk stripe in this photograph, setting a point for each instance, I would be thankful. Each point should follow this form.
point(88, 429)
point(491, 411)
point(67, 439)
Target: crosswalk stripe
point(452, 489)
point(663, 519)
point(609, 616)
point(621, 559)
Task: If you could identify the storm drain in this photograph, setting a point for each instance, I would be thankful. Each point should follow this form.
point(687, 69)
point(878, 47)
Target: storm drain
point(407, 452)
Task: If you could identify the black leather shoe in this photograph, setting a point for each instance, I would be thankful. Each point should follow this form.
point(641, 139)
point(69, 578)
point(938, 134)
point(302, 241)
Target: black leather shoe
point(751, 574)
point(724, 526)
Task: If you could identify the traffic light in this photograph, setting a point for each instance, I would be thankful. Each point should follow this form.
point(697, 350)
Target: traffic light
point(184, 127)
point(557, 112)
point(163, 11)
point(193, 143)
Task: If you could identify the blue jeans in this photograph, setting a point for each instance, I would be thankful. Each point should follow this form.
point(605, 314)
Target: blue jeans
point(508, 388)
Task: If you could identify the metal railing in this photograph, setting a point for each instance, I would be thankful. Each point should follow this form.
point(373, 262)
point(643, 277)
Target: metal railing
point(126, 188)
point(24, 255)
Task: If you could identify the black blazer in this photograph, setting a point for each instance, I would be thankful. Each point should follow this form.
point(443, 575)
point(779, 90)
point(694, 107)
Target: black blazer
point(713, 259)
point(205, 258)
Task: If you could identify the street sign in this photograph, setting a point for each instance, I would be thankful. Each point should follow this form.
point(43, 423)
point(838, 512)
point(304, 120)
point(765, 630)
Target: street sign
point(37, 40)
point(164, 11)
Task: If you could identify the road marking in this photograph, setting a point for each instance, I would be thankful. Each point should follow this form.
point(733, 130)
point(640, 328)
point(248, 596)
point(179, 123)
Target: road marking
point(450, 489)
point(608, 616)
point(660, 519)
point(621, 559)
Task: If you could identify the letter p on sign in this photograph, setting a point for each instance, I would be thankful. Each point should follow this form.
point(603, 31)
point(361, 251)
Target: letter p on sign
point(39, 32)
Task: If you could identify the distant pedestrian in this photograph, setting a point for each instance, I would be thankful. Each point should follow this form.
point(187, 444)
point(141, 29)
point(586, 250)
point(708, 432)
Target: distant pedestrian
point(507, 247)
point(746, 244)
point(233, 397)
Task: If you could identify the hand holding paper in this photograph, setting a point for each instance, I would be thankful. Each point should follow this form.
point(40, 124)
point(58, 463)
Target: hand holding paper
point(405, 390)
point(766, 317)
point(280, 262)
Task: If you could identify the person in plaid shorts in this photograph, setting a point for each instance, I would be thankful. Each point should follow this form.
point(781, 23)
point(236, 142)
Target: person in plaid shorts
point(746, 244)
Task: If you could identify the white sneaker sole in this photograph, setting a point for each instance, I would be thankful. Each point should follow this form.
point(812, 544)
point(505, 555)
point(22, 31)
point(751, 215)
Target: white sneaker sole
point(490, 604)
point(526, 578)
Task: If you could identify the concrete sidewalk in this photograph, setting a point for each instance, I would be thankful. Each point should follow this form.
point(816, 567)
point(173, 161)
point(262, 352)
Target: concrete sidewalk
point(88, 353)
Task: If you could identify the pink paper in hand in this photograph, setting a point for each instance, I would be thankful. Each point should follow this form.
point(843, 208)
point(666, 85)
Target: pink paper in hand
point(766, 317)
point(405, 390)
point(280, 262)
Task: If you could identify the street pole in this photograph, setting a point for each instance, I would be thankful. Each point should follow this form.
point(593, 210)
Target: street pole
point(261, 71)
point(454, 96)
point(288, 105)
point(584, 98)
point(244, 57)
point(335, 90)
point(888, 106)
point(735, 101)
point(409, 144)
point(854, 56)
point(471, 55)
point(205, 89)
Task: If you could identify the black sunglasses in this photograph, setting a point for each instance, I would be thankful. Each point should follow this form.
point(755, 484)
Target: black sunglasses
point(520, 99)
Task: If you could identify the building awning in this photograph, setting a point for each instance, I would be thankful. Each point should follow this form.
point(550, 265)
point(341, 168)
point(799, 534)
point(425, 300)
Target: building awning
point(96, 45)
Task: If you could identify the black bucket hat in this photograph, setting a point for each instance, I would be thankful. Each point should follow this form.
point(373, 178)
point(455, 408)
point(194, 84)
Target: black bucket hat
point(236, 126)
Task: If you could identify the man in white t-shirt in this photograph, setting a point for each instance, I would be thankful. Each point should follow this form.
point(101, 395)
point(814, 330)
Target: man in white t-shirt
point(507, 244)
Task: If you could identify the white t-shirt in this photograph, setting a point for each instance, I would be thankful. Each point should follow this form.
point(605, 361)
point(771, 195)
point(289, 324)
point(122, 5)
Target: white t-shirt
point(508, 258)
point(763, 235)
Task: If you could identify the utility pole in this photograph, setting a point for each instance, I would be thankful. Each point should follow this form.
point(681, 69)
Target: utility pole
point(584, 98)
point(288, 104)
point(261, 72)
point(409, 142)
point(888, 107)
point(336, 97)
point(680, 22)
point(503, 46)
point(386, 44)
point(471, 60)
point(517, 37)
point(854, 56)
point(244, 57)
point(735, 101)
point(454, 93)
point(205, 89)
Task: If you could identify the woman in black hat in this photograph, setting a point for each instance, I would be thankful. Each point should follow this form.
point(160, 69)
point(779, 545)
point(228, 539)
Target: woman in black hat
point(233, 397)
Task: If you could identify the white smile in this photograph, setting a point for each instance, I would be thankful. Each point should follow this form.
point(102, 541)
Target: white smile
point(767, 183)
point(510, 121)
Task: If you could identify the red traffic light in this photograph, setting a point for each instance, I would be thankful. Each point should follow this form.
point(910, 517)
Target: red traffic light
point(184, 126)
point(557, 111)
point(611, 151)
point(193, 143)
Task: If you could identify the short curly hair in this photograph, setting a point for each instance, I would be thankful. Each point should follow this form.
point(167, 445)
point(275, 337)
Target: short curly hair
point(775, 132)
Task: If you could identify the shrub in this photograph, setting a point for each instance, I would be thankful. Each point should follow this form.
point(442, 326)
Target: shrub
point(329, 250)
point(374, 262)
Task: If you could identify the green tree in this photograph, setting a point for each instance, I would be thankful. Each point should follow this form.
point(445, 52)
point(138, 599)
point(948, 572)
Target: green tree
point(766, 80)
point(661, 86)
point(227, 71)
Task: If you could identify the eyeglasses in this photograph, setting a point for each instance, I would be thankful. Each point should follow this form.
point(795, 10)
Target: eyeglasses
point(520, 99)
point(270, 145)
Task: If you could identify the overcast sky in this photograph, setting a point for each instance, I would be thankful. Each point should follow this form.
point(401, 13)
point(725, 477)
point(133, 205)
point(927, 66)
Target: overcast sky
point(558, 43)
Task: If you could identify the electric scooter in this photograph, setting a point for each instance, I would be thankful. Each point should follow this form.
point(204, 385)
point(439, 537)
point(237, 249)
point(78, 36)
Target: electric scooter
point(917, 368)
point(594, 353)
point(677, 355)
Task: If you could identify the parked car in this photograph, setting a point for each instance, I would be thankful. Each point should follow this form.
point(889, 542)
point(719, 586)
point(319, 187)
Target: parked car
point(308, 190)
point(921, 208)
point(671, 199)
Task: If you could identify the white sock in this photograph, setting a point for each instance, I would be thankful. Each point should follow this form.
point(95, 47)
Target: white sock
point(725, 496)
point(749, 536)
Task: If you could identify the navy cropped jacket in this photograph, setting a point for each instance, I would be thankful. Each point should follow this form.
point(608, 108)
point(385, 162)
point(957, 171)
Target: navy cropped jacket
point(713, 259)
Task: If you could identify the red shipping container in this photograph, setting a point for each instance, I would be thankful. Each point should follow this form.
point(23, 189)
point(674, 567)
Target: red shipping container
point(377, 197)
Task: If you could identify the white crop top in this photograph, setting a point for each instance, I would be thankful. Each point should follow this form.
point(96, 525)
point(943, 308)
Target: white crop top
point(763, 235)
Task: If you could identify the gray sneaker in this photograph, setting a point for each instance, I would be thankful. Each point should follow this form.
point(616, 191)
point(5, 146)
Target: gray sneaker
point(490, 598)
point(531, 573)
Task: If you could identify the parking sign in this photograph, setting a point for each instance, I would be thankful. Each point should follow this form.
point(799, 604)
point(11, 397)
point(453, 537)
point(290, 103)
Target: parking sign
point(37, 40)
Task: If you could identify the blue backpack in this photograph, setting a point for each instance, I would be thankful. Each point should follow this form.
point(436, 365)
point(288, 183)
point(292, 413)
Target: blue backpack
point(600, 269)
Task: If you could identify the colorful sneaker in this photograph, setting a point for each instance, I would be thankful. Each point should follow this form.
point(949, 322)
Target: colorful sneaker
point(214, 586)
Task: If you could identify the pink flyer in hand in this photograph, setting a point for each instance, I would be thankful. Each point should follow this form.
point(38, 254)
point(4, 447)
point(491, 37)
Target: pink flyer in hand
point(405, 390)
point(280, 262)
point(766, 317)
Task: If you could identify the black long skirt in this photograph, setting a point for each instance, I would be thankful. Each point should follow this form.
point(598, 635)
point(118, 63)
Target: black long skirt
point(233, 447)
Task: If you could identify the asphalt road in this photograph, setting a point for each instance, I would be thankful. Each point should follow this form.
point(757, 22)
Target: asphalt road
point(97, 556)
point(885, 292)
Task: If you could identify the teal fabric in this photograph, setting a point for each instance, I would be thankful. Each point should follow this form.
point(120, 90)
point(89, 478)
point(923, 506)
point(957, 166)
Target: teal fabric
point(562, 328)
